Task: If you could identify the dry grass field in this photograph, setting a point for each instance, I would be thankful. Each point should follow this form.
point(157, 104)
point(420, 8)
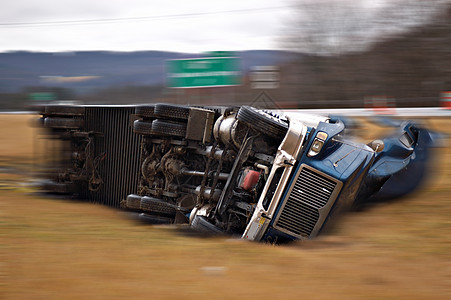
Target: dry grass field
point(62, 249)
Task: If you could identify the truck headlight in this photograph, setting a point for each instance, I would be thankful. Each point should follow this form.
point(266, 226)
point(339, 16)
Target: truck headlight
point(317, 144)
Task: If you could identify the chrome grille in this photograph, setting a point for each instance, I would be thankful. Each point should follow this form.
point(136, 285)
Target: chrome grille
point(298, 218)
point(312, 188)
point(311, 191)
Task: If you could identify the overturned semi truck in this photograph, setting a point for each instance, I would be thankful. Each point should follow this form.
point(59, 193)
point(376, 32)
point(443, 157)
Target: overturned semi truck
point(256, 174)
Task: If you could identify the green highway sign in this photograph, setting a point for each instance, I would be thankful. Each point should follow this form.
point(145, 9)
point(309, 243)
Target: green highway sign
point(203, 72)
point(43, 96)
point(220, 54)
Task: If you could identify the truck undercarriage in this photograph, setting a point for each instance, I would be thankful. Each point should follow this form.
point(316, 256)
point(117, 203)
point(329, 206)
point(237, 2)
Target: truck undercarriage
point(235, 170)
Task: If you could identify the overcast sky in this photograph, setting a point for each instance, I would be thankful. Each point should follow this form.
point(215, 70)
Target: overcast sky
point(128, 25)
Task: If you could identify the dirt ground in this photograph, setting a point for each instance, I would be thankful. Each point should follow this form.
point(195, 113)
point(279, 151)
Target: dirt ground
point(62, 249)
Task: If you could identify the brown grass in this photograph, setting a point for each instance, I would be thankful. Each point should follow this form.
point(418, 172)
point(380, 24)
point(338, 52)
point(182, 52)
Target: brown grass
point(16, 136)
point(61, 249)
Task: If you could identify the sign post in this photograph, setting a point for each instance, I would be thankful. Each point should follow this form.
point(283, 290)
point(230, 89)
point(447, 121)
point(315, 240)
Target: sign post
point(264, 77)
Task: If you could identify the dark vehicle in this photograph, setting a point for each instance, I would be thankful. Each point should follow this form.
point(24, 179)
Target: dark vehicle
point(264, 176)
point(235, 170)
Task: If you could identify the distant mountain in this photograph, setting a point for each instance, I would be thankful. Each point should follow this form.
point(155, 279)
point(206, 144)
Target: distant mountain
point(90, 70)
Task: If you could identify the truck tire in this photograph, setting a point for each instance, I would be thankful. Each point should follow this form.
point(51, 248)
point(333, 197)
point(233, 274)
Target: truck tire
point(142, 127)
point(263, 122)
point(157, 206)
point(63, 123)
point(145, 111)
point(152, 219)
point(64, 110)
point(168, 128)
point(133, 202)
point(172, 111)
point(59, 187)
point(201, 224)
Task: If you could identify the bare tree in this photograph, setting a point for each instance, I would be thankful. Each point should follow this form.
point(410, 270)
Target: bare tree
point(331, 27)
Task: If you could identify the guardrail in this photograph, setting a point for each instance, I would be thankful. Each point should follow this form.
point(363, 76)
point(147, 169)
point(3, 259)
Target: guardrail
point(362, 112)
point(356, 112)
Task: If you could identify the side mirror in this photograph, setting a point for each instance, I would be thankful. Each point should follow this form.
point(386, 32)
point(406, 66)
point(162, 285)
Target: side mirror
point(377, 145)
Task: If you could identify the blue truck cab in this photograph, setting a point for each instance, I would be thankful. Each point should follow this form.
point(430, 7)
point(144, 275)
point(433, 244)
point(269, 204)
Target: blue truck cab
point(323, 173)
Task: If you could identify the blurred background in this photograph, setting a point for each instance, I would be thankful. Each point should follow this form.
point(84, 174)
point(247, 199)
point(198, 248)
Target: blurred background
point(284, 54)
point(301, 53)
